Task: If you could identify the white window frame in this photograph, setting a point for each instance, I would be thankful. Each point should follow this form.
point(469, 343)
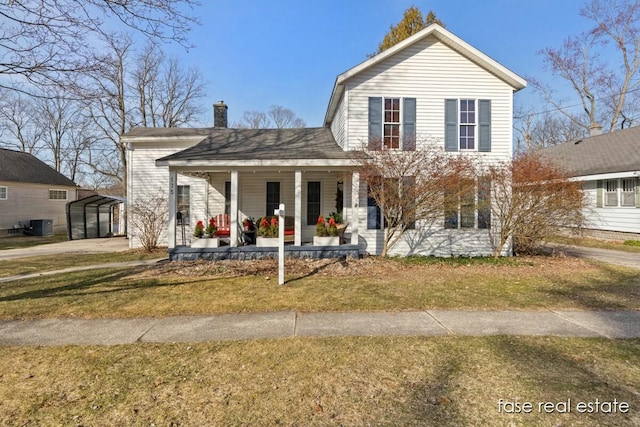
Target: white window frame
point(386, 123)
point(57, 191)
point(473, 124)
point(186, 219)
point(627, 188)
point(4, 193)
point(610, 191)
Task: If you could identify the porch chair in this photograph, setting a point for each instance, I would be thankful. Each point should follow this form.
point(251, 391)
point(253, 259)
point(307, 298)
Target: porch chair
point(223, 222)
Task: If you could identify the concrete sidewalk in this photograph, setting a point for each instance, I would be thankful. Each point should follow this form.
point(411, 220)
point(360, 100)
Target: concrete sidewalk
point(52, 332)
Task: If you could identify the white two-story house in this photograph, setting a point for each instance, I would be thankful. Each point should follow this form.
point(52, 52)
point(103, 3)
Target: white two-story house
point(432, 85)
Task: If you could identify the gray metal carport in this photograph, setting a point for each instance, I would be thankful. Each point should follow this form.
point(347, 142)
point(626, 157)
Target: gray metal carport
point(91, 216)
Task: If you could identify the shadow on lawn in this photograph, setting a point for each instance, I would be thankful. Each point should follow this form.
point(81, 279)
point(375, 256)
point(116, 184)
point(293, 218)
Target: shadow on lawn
point(316, 270)
point(79, 285)
point(621, 291)
point(548, 370)
point(431, 401)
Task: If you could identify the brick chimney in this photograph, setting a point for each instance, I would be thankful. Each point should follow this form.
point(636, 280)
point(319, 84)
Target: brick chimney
point(220, 114)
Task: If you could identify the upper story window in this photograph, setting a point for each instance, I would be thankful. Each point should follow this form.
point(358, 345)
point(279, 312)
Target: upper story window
point(57, 194)
point(391, 136)
point(392, 123)
point(467, 125)
point(3, 193)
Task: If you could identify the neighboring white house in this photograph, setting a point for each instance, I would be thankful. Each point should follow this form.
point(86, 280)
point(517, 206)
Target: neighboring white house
point(32, 190)
point(609, 167)
point(432, 86)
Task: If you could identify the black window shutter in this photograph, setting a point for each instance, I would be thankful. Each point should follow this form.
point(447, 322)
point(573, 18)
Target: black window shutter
point(484, 125)
point(375, 123)
point(451, 125)
point(409, 124)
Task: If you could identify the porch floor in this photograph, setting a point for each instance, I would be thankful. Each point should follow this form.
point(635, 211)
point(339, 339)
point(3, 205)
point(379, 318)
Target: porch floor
point(186, 253)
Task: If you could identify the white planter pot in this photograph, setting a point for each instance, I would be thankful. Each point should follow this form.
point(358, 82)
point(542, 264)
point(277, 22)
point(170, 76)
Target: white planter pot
point(210, 242)
point(326, 241)
point(267, 242)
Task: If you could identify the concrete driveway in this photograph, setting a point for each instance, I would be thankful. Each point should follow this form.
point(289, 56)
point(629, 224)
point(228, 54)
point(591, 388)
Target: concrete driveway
point(625, 259)
point(84, 246)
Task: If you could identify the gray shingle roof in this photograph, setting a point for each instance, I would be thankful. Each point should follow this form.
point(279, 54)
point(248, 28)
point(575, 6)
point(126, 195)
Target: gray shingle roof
point(266, 144)
point(617, 151)
point(17, 166)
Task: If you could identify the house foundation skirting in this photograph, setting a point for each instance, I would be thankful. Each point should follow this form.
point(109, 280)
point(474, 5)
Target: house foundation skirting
point(185, 253)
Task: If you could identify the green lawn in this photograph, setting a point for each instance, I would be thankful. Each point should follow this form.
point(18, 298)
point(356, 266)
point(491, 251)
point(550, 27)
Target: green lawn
point(596, 243)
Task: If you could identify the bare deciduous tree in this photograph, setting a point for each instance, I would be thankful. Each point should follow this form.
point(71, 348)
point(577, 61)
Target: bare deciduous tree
point(531, 200)
point(534, 131)
point(584, 62)
point(49, 42)
point(409, 187)
point(149, 220)
point(18, 117)
point(277, 117)
point(150, 91)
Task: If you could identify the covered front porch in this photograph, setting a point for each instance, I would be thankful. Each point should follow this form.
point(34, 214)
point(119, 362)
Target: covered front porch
point(303, 169)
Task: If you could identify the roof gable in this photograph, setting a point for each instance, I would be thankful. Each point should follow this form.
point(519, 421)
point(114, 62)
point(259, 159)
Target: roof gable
point(18, 166)
point(445, 37)
point(612, 152)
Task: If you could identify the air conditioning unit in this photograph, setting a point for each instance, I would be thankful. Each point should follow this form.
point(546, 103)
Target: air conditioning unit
point(41, 227)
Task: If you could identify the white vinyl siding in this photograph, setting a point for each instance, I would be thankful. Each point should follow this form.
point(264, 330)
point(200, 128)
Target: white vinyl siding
point(148, 181)
point(431, 72)
point(608, 218)
point(339, 123)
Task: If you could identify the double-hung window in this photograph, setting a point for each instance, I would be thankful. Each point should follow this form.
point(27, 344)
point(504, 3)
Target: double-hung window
point(391, 135)
point(611, 192)
point(462, 206)
point(467, 124)
point(392, 123)
point(628, 192)
point(3, 193)
point(623, 192)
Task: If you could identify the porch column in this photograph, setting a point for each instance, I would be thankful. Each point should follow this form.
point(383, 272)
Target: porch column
point(173, 195)
point(355, 201)
point(233, 237)
point(298, 209)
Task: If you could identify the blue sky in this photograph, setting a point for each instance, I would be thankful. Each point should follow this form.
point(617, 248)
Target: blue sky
point(256, 53)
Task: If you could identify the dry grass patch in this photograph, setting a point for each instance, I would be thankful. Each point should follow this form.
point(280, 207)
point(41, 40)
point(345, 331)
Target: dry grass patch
point(445, 381)
point(324, 285)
